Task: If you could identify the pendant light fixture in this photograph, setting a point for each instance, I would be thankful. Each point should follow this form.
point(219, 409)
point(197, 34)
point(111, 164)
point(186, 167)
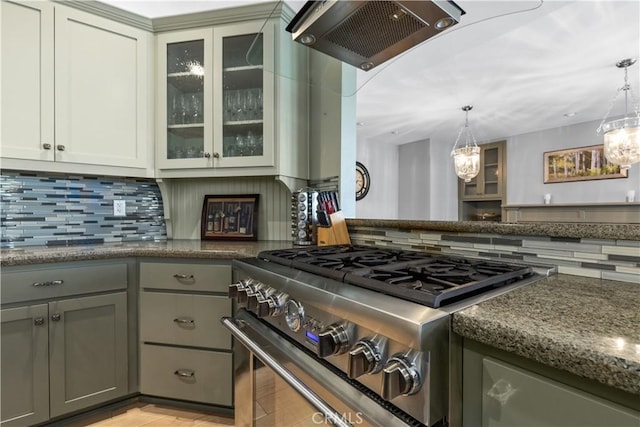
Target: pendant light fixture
point(466, 157)
point(622, 136)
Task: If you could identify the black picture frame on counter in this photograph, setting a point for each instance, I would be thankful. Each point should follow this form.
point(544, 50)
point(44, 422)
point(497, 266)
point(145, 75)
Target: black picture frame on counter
point(229, 217)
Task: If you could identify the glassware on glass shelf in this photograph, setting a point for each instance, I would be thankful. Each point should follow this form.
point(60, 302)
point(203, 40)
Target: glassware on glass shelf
point(184, 109)
point(251, 104)
point(237, 105)
point(229, 106)
point(240, 145)
point(173, 114)
point(251, 143)
point(259, 103)
point(195, 110)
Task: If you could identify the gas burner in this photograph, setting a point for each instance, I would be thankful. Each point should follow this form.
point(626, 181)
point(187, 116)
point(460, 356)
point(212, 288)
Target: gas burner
point(432, 279)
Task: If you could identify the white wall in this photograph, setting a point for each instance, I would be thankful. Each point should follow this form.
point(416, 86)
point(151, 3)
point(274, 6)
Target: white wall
point(396, 166)
point(414, 180)
point(381, 160)
point(444, 183)
point(525, 182)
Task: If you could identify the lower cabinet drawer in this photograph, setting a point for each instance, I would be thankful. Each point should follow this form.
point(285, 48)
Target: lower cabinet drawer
point(187, 374)
point(180, 319)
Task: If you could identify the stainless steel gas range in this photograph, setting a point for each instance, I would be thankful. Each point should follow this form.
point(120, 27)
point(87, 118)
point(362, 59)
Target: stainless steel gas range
point(354, 335)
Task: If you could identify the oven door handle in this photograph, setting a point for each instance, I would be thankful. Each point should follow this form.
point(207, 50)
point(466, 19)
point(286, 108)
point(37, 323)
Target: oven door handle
point(235, 327)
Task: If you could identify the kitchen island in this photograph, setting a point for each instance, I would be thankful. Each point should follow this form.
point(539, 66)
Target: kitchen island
point(586, 327)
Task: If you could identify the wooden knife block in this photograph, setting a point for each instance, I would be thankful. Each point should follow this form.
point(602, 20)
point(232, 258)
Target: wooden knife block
point(336, 234)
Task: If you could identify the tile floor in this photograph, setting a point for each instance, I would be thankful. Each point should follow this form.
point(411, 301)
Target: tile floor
point(149, 415)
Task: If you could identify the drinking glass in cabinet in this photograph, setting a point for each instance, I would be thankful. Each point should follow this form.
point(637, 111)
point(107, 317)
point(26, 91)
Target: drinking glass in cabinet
point(185, 90)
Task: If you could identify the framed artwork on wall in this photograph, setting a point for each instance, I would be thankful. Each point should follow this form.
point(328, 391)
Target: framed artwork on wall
point(579, 164)
point(229, 217)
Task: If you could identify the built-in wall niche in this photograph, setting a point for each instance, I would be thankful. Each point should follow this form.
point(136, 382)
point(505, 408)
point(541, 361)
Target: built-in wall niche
point(485, 210)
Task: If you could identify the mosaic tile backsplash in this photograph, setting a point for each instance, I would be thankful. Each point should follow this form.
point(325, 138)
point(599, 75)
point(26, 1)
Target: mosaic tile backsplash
point(598, 258)
point(64, 210)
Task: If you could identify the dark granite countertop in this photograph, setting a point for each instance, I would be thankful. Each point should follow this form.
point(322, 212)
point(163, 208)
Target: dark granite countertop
point(589, 327)
point(574, 230)
point(205, 249)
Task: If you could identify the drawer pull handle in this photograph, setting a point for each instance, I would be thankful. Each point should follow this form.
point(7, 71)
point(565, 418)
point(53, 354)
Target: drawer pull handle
point(184, 321)
point(184, 276)
point(184, 373)
point(48, 283)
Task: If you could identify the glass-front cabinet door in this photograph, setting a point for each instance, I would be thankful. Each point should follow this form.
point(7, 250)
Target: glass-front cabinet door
point(489, 182)
point(185, 100)
point(243, 134)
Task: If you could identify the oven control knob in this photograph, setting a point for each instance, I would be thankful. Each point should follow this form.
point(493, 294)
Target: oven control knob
point(272, 305)
point(364, 358)
point(234, 288)
point(254, 298)
point(400, 377)
point(250, 289)
point(294, 315)
point(334, 339)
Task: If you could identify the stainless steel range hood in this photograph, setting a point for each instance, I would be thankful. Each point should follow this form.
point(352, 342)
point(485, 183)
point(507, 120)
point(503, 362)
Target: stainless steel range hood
point(366, 33)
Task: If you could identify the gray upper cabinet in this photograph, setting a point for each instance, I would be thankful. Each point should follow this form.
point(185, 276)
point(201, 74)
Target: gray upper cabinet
point(25, 365)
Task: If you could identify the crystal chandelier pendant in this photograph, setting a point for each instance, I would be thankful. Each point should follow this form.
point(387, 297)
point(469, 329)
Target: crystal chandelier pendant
point(466, 158)
point(622, 136)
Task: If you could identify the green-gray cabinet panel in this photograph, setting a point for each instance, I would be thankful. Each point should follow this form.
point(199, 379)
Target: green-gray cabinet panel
point(182, 276)
point(88, 351)
point(51, 282)
point(25, 366)
point(514, 397)
point(182, 319)
point(186, 374)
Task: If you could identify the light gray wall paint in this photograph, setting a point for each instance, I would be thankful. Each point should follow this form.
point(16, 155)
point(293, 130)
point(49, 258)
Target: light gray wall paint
point(525, 182)
point(381, 160)
point(444, 183)
point(414, 180)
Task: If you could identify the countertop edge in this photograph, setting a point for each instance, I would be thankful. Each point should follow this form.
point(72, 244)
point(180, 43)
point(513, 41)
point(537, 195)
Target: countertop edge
point(568, 230)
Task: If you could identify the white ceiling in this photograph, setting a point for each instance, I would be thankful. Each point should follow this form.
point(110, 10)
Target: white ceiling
point(522, 64)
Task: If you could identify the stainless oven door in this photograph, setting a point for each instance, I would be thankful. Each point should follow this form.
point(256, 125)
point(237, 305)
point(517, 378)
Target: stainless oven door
point(279, 385)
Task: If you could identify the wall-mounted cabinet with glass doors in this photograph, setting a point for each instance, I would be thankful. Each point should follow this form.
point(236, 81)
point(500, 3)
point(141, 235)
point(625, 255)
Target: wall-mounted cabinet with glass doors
point(217, 105)
point(482, 198)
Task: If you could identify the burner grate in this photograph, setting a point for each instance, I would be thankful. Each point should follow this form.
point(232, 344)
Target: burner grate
point(430, 279)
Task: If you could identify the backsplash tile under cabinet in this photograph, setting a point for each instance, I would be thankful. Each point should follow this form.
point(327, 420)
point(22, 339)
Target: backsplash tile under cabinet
point(61, 210)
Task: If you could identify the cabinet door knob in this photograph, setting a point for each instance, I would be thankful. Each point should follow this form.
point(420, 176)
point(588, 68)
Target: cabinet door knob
point(38, 321)
point(56, 317)
point(60, 147)
point(207, 155)
point(216, 155)
point(46, 146)
point(184, 373)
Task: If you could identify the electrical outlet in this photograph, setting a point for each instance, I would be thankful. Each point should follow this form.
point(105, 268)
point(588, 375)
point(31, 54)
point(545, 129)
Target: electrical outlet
point(119, 208)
